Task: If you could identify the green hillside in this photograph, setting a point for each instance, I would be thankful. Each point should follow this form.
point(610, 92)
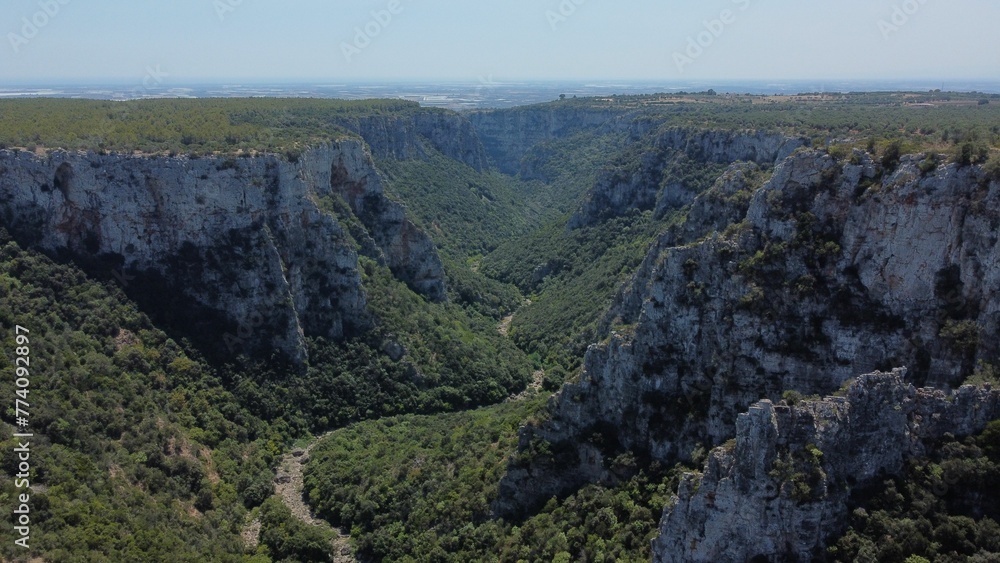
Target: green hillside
point(146, 451)
point(139, 452)
point(419, 488)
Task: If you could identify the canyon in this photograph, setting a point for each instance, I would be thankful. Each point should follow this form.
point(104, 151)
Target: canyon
point(793, 269)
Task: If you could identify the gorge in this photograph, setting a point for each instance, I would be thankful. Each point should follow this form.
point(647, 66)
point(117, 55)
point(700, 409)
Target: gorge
point(703, 287)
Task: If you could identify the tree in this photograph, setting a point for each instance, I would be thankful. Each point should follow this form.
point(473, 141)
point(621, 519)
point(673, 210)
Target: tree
point(892, 153)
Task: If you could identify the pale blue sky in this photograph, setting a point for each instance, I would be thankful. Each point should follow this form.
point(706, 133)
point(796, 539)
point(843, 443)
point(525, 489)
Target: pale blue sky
point(463, 40)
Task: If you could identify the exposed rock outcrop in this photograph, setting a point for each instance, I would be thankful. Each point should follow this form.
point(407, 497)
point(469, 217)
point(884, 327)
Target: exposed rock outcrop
point(643, 185)
point(408, 251)
point(411, 135)
point(243, 239)
point(836, 268)
point(724, 204)
point(509, 134)
point(781, 489)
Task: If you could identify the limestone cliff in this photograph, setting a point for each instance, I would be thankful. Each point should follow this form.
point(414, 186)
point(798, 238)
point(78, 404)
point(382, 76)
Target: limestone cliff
point(834, 268)
point(412, 135)
point(242, 240)
point(780, 490)
point(641, 183)
point(408, 251)
point(508, 135)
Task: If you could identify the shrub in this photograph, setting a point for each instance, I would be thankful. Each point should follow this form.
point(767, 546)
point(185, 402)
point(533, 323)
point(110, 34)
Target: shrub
point(791, 397)
point(963, 335)
point(992, 168)
point(929, 164)
point(891, 155)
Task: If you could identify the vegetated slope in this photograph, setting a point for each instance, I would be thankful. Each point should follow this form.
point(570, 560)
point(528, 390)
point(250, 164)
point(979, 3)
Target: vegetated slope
point(573, 267)
point(569, 166)
point(138, 453)
point(256, 261)
point(469, 213)
point(520, 228)
point(423, 356)
point(571, 278)
point(942, 507)
point(419, 488)
point(420, 357)
point(570, 275)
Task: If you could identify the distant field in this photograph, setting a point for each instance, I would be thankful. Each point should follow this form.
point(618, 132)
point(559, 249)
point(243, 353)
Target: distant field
point(923, 120)
point(929, 120)
point(183, 126)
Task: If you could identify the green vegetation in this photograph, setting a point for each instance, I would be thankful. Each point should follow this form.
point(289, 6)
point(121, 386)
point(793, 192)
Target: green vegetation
point(432, 476)
point(503, 238)
point(139, 453)
point(963, 335)
point(468, 213)
point(985, 373)
point(452, 358)
point(946, 507)
point(569, 167)
point(288, 538)
point(935, 121)
point(572, 276)
point(148, 452)
point(418, 488)
point(184, 126)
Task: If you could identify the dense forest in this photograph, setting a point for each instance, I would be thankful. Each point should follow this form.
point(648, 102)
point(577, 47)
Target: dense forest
point(139, 452)
point(146, 450)
point(419, 489)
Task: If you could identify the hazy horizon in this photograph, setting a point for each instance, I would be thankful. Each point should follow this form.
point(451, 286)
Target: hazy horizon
point(192, 42)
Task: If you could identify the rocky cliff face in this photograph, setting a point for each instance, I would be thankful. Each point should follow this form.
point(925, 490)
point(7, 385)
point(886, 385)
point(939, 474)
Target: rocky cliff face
point(411, 136)
point(780, 490)
point(408, 251)
point(509, 134)
point(834, 268)
point(643, 184)
point(243, 240)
